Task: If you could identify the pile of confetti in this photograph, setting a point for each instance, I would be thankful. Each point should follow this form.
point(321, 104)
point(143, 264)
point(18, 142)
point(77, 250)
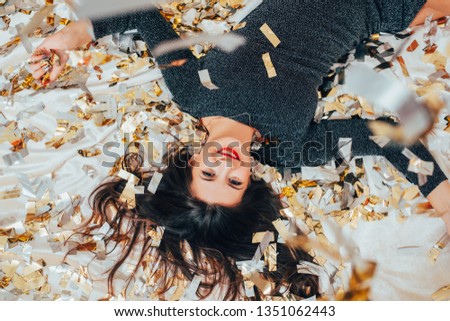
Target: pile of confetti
point(58, 142)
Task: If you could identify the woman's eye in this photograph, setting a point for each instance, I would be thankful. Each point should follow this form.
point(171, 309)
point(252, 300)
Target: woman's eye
point(207, 174)
point(234, 182)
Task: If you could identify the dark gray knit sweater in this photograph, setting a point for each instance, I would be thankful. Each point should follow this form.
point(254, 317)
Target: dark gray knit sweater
point(314, 34)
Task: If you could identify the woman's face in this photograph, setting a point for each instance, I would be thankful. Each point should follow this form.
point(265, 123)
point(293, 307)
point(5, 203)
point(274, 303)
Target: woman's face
point(221, 172)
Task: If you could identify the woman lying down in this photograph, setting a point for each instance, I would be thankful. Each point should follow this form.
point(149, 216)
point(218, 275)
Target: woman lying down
point(209, 199)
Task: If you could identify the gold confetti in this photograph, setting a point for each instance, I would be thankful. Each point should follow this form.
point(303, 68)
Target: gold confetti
point(271, 72)
point(435, 58)
point(205, 79)
point(418, 166)
point(156, 234)
point(401, 61)
point(438, 247)
point(270, 257)
point(257, 237)
point(346, 201)
point(4, 282)
point(335, 106)
point(360, 282)
point(154, 183)
point(282, 230)
point(90, 152)
point(10, 193)
point(128, 195)
point(65, 133)
point(270, 35)
point(413, 46)
point(443, 294)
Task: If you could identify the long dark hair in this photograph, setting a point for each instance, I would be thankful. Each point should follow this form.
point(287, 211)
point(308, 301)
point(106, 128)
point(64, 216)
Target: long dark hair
point(217, 236)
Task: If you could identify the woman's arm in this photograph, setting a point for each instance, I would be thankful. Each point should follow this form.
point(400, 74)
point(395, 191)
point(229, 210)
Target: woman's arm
point(437, 8)
point(437, 187)
point(149, 23)
point(362, 145)
point(436, 197)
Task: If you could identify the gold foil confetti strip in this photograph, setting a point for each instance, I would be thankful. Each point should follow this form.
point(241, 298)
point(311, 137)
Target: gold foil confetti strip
point(401, 61)
point(156, 234)
point(251, 274)
point(271, 72)
point(288, 191)
point(65, 133)
point(249, 288)
point(438, 247)
point(6, 21)
point(9, 46)
point(10, 193)
point(270, 257)
point(429, 88)
point(413, 46)
point(443, 294)
point(262, 246)
point(175, 63)
point(205, 79)
point(154, 182)
point(435, 58)
point(90, 58)
point(335, 106)
point(115, 80)
point(283, 230)
point(418, 166)
point(360, 282)
point(90, 152)
point(270, 35)
point(133, 64)
point(257, 237)
point(4, 282)
point(128, 195)
point(191, 291)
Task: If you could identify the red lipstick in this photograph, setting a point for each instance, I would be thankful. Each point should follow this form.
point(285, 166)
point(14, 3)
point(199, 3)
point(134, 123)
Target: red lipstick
point(229, 152)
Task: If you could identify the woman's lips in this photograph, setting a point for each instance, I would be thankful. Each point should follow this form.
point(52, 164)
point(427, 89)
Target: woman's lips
point(228, 152)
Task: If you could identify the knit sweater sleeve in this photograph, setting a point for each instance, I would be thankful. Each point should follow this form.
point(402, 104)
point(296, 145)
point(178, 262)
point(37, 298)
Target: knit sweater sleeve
point(362, 145)
point(150, 24)
point(392, 16)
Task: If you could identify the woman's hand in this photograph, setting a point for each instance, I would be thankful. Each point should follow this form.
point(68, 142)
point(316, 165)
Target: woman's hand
point(440, 200)
point(76, 35)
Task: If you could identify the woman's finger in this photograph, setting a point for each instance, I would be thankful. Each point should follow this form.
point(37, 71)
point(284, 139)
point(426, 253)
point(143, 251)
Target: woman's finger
point(37, 65)
point(35, 58)
point(56, 71)
point(39, 73)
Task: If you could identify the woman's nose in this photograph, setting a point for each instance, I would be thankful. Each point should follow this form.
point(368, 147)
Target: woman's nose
point(227, 162)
